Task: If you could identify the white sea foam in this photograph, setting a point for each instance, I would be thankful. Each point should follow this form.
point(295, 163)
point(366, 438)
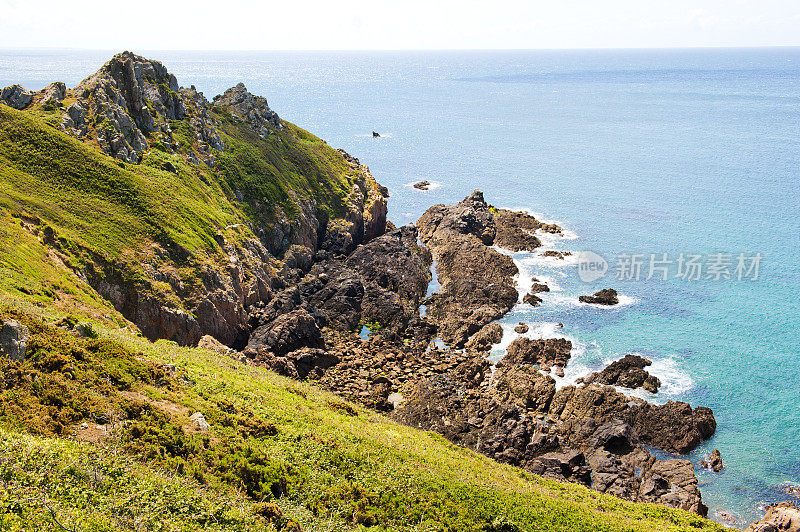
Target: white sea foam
point(675, 381)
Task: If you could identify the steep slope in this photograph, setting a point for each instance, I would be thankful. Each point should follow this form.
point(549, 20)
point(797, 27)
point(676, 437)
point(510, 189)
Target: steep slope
point(184, 240)
point(327, 464)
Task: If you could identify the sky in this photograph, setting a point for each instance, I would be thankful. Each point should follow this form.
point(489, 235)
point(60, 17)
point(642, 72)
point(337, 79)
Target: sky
point(396, 25)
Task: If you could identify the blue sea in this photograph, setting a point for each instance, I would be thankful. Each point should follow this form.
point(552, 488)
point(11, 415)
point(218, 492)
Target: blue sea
point(634, 153)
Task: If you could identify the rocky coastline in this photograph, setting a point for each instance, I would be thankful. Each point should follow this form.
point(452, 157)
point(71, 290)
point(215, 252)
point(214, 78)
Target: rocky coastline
point(294, 294)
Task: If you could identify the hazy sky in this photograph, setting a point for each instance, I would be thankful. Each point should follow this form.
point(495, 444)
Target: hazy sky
point(400, 24)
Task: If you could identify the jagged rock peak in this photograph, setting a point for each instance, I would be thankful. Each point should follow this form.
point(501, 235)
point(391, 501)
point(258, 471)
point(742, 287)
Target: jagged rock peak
point(250, 108)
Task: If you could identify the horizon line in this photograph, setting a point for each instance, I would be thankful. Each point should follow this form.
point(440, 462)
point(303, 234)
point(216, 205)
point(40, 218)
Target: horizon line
point(319, 50)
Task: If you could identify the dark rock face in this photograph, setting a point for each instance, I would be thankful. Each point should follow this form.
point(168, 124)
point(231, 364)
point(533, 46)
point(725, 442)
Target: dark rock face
point(713, 461)
point(588, 435)
point(287, 333)
point(13, 340)
point(627, 372)
point(252, 109)
point(607, 296)
point(477, 281)
point(16, 96)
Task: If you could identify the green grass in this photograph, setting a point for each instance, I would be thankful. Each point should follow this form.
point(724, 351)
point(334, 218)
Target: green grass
point(272, 439)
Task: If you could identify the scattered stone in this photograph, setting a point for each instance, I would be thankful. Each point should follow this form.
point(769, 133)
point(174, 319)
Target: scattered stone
point(607, 296)
point(14, 340)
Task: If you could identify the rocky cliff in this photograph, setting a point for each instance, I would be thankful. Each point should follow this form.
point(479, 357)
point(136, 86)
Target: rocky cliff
point(287, 194)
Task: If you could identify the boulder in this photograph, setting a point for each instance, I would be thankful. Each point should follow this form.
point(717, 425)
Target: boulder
point(287, 333)
point(713, 461)
point(198, 421)
point(521, 328)
point(16, 96)
point(484, 339)
point(545, 352)
point(532, 299)
point(607, 296)
point(422, 185)
point(14, 340)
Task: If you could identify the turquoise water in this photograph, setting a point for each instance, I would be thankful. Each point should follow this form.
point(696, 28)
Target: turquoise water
point(685, 151)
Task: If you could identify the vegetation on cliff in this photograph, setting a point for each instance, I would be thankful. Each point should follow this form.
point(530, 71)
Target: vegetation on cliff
point(158, 214)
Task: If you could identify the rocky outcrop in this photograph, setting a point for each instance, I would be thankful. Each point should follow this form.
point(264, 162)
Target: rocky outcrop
point(607, 296)
point(287, 333)
point(422, 185)
point(782, 517)
point(477, 281)
point(588, 435)
point(252, 109)
point(130, 97)
point(16, 96)
point(13, 340)
point(627, 372)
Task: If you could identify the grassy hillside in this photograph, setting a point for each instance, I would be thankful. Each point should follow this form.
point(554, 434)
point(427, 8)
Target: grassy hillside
point(95, 432)
point(327, 464)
